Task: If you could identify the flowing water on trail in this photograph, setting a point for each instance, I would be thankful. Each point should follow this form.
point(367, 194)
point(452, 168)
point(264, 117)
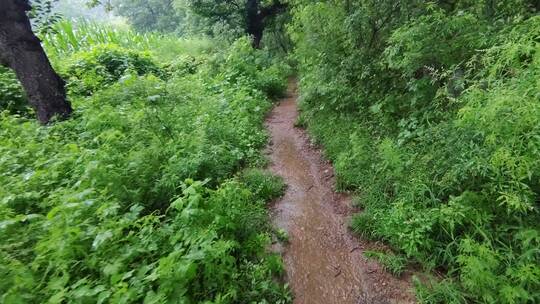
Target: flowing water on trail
point(324, 262)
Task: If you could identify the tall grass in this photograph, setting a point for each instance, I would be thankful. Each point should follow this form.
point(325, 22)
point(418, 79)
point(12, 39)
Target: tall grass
point(69, 36)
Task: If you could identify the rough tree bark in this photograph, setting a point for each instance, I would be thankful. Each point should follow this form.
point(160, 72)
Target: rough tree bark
point(21, 51)
point(254, 22)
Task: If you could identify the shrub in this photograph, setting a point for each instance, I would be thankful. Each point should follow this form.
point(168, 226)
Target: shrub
point(243, 63)
point(103, 65)
point(134, 198)
point(437, 114)
point(12, 97)
point(183, 65)
point(263, 184)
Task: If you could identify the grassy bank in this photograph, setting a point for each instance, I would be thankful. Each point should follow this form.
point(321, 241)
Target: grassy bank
point(431, 114)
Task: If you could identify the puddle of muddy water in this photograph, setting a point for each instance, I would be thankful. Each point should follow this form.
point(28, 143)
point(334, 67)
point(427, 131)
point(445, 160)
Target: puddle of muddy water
point(324, 262)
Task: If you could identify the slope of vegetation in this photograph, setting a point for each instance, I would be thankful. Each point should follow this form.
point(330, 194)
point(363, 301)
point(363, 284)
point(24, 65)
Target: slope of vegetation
point(430, 111)
point(140, 196)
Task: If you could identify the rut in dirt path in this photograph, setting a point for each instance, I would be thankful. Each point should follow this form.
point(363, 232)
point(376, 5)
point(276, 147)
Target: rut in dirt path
point(324, 262)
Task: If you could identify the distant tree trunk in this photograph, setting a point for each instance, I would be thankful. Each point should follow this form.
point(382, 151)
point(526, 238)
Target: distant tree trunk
point(536, 5)
point(254, 22)
point(21, 51)
point(256, 18)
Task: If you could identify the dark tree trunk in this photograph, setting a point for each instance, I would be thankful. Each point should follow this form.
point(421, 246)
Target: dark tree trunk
point(254, 22)
point(490, 8)
point(21, 51)
point(536, 5)
point(256, 18)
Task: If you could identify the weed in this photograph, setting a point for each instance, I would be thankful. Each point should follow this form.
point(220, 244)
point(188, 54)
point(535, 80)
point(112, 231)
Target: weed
point(392, 263)
point(282, 235)
point(263, 184)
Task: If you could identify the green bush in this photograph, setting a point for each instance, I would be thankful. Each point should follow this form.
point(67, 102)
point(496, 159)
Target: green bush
point(103, 65)
point(183, 65)
point(437, 115)
point(12, 97)
point(263, 184)
point(257, 67)
point(134, 199)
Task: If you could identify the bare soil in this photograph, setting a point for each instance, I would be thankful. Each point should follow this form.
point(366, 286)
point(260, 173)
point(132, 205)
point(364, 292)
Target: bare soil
point(324, 261)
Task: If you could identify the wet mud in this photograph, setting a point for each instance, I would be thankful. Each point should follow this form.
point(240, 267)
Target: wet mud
point(323, 260)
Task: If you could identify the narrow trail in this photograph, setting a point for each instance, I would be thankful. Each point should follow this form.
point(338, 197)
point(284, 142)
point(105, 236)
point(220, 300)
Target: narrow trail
point(324, 262)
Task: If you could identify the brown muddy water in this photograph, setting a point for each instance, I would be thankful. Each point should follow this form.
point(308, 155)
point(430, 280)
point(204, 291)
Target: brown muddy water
point(323, 260)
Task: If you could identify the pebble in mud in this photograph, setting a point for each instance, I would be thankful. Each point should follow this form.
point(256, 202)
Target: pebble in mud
point(323, 260)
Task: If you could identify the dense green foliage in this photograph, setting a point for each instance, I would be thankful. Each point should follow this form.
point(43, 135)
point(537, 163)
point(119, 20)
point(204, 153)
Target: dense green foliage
point(251, 17)
point(431, 113)
point(89, 71)
point(12, 97)
point(43, 15)
point(73, 36)
point(140, 197)
point(150, 15)
point(392, 263)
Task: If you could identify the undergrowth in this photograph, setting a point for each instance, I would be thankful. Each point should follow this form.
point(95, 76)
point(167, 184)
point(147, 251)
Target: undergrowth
point(140, 197)
point(430, 113)
point(392, 263)
point(12, 96)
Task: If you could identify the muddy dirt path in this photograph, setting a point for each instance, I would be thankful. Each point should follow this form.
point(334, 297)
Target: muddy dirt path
point(324, 262)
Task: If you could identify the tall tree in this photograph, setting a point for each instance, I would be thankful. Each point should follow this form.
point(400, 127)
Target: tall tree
point(21, 51)
point(149, 15)
point(252, 15)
